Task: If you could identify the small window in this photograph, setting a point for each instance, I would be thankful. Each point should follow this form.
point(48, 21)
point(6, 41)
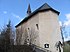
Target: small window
point(37, 26)
point(46, 45)
point(28, 39)
point(28, 28)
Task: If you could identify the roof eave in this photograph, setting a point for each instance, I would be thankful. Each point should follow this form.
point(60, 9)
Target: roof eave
point(55, 11)
point(35, 12)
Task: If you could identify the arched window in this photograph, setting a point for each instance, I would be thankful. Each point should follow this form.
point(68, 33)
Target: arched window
point(37, 26)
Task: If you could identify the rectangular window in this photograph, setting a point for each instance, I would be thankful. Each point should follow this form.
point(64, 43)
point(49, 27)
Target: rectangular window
point(46, 45)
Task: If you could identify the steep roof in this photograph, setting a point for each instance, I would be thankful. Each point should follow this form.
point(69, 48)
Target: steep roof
point(44, 7)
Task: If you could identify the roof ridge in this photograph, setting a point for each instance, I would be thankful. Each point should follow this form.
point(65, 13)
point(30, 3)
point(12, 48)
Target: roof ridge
point(44, 7)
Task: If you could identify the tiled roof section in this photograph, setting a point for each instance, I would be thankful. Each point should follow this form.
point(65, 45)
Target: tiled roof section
point(44, 7)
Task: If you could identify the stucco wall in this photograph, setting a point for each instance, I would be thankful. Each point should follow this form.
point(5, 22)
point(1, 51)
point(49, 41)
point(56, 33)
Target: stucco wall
point(31, 24)
point(29, 29)
point(47, 32)
point(18, 30)
point(49, 29)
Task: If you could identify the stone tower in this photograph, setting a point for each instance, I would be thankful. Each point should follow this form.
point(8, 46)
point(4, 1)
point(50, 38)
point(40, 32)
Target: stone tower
point(40, 28)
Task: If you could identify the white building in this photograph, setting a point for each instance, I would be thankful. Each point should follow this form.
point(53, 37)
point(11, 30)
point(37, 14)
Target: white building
point(40, 28)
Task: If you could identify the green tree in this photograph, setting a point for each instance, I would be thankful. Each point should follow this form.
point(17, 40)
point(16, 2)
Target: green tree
point(66, 47)
point(7, 35)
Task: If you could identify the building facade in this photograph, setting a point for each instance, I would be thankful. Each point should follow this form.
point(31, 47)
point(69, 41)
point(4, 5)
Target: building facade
point(40, 28)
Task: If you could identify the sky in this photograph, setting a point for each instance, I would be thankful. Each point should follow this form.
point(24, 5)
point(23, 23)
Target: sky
point(15, 10)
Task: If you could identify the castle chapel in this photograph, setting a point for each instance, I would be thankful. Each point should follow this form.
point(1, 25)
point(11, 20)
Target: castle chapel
point(40, 28)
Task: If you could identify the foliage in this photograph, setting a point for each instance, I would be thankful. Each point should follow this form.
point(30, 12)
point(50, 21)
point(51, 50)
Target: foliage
point(66, 48)
point(66, 45)
point(6, 35)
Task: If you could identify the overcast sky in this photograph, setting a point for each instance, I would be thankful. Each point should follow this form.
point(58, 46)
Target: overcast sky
point(15, 10)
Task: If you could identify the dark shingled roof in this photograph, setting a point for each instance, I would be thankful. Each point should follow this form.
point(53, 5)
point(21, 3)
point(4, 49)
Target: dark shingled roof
point(44, 7)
